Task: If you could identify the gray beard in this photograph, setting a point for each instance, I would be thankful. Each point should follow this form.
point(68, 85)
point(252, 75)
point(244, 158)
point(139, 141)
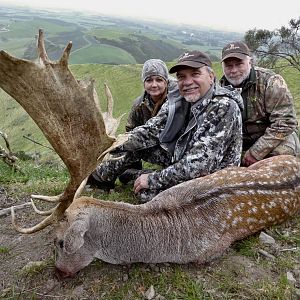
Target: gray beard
point(237, 82)
point(191, 98)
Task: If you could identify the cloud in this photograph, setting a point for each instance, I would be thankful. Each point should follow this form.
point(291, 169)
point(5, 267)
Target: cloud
point(231, 15)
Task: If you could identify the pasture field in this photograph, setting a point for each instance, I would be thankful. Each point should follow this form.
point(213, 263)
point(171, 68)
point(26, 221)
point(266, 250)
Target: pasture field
point(107, 54)
point(292, 78)
point(111, 33)
point(139, 38)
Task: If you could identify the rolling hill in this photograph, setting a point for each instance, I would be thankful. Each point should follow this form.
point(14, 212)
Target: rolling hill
point(103, 39)
point(125, 84)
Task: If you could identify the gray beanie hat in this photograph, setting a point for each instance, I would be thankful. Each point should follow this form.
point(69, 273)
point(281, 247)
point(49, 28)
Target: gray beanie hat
point(154, 67)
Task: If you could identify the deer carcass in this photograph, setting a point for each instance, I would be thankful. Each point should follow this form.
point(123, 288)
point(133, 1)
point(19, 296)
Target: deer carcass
point(191, 222)
point(194, 221)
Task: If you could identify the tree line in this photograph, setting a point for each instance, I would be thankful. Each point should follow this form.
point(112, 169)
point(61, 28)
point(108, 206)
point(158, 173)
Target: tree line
point(278, 48)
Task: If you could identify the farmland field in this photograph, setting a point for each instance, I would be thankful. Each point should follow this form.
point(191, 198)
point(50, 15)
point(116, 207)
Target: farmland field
point(140, 39)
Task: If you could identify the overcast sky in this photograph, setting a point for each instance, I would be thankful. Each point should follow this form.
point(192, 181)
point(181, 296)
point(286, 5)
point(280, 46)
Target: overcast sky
point(233, 15)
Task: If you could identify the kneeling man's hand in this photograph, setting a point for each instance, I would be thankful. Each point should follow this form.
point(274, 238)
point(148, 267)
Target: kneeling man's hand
point(141, 183)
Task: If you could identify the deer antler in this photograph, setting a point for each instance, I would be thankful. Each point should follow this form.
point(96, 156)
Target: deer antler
point(111, 123)
point(66, 110)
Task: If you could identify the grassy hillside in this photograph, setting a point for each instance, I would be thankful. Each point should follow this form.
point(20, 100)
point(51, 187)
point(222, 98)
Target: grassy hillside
point(125, 84)
point(140, 46)
point(94, 40)
point(105, 53)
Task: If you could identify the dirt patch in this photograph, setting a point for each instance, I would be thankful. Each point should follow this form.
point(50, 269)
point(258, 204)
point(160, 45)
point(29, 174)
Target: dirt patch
point(27, 271)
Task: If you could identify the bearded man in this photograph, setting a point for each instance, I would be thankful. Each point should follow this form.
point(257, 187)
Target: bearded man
point(270, 125)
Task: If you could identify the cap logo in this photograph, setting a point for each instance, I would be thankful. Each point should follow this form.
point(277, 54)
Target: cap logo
point(185, 56)
point(232, 47)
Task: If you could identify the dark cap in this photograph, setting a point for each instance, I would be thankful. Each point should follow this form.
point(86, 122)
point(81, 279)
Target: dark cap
point(193, 59)
point(235, 49)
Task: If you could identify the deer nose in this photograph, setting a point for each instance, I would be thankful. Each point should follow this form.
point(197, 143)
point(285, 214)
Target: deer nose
point(60, 274)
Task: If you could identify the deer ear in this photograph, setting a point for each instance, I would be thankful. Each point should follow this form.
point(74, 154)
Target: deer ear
point(74, 236)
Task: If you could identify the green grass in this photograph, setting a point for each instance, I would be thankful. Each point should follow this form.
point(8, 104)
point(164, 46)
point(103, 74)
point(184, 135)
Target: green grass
point(21, 33)
point(113, 33)
point(170, 281)
point(232, 288)
point(82, 31)
point(34, 268)
point(4, 250)
point(124, 82)
point(17, 46)
point(292, 78)
point(43, 178)
point(29, 29)
point(247, 247)
point(104, 53)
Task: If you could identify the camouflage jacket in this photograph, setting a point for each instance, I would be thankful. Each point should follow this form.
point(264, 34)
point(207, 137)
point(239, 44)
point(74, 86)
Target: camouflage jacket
point(269, 115)
point(211, 140)
point(143, 107)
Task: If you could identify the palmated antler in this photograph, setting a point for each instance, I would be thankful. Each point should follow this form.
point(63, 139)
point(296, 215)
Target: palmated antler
point(111, 126)
point(66, 110)
point(111, 123)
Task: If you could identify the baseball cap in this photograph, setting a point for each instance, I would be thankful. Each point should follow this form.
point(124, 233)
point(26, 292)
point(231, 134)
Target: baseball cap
point(235, 49)
point(154, 67)
point(193, 59)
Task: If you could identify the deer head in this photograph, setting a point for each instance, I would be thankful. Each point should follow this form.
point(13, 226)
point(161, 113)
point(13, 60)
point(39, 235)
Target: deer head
point(66, 110)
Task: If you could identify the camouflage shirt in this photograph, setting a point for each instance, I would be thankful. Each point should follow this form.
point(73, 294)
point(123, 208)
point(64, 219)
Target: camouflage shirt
point(211, 139)
point(143, 107)
point(269, 115)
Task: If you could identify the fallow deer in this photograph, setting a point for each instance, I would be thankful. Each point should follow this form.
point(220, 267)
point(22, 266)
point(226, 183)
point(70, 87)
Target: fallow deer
point(192, 222)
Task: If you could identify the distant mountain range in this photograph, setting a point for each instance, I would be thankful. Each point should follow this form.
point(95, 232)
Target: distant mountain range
point(102, 39)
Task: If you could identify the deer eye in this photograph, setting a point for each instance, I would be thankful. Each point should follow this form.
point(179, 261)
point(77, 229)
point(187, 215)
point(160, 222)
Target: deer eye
point(61, 243)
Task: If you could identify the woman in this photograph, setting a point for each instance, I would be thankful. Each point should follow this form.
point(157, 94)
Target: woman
point(157, 84)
